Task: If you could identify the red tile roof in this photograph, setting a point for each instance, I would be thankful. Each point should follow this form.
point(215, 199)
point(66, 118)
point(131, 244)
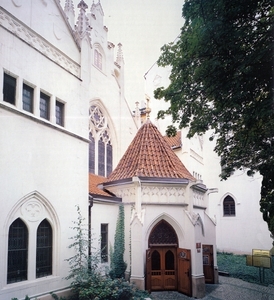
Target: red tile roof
point(174, 141)
point(94, 180)
point(149, 155)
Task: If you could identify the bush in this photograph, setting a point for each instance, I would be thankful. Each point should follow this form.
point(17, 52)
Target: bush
point(88, 283)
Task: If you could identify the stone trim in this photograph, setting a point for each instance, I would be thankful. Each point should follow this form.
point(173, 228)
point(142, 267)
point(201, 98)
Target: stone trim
point(37, 42)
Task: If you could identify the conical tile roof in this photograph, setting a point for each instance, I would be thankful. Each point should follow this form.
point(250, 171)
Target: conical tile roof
point(149, 155)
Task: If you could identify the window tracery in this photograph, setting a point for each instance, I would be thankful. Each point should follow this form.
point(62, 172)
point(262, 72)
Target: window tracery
point(100, 147)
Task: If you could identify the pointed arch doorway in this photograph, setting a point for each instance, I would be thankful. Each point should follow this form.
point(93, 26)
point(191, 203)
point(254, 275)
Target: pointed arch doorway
point(167, 266)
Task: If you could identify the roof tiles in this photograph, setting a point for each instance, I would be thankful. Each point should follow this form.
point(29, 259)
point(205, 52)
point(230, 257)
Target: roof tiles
point(149, 155)
point(174, 141)
point(94, 181)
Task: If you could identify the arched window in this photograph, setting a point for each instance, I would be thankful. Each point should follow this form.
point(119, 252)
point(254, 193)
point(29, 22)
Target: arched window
point(98, 59)
point(155, 260)
point(169, 260)
point(17, 252)
point(100, 147)
point(44, 250)
point(229, 206)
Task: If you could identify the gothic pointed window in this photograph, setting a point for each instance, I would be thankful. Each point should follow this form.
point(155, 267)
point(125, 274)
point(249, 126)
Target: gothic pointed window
point(229, 206)
point(100, 147)
point(98, 59)
point(44, 250)
point(17, 252)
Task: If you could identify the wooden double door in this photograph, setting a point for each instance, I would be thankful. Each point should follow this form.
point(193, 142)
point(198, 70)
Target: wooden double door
point(169, 268)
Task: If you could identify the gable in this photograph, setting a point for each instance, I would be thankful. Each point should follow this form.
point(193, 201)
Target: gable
point(42, 20)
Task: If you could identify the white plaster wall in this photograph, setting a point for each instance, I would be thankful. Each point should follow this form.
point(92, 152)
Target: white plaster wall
point(42, 74)
point(105, 87)
point(45, 18)
point(103, 213)
point(39, 156)
point(34, 159)
point(251, 230)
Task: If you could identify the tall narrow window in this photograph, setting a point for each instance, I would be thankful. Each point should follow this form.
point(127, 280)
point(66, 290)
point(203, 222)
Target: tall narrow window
point(17, 252)
point(44, 250)
point(109, 158)
point(91, 154)
point(100, 143)
point(27, 98)
point(104, 242)
point(229, 206)
point(155, 260)
point(59, 113)
point(9, 89)
point(98, 59)
point(44, 106)
point(101, 157)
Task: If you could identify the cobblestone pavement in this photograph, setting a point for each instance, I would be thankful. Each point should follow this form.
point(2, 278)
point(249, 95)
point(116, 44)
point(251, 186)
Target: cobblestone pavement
point(227, 289)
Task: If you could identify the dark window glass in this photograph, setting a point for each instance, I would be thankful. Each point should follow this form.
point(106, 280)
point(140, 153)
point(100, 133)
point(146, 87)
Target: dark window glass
point(44, 106)
point(109, 158)
point(91, 154)
point(9, 89)
point(169, 260)
point(104, 242)
point(17, 252)
point(155, 260)
point(101, 158)
point(59, 113)
point(229, 206)
point(44, 250)
point(27, 98)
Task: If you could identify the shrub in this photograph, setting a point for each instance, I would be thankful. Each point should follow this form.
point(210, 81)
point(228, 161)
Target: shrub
point(118, 266)
point(88, 283)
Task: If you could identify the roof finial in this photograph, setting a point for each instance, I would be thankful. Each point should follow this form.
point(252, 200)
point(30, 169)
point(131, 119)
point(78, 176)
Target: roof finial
point(69, 11)
point(82, 26)
point(119, 58)
point(148, 109)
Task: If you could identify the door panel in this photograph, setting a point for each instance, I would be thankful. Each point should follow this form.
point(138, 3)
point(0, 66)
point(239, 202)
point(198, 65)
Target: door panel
point(161, 269)
point(208, 263)
point(184, 271)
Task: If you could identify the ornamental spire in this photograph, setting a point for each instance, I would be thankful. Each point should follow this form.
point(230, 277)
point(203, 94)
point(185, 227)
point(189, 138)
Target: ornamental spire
point(69, 12)
point(120, 57)
point(82, 25)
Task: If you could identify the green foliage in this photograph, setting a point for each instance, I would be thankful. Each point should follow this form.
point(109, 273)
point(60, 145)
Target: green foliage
point(87, 280)
point(236, 266)
point(222, 80)
point(118, 266)
point(83, 267)
point(108, 289)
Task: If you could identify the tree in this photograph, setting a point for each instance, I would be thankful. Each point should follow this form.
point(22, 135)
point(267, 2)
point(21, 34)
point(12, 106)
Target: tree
point(222, 80)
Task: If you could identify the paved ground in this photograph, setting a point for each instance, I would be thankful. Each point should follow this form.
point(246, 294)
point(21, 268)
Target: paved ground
point(227, 289)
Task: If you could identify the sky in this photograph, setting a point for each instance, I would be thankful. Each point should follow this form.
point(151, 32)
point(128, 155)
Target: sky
point(142, 27)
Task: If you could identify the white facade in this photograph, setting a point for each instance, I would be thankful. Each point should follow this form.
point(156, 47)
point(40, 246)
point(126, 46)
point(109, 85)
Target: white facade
point(44, 157)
